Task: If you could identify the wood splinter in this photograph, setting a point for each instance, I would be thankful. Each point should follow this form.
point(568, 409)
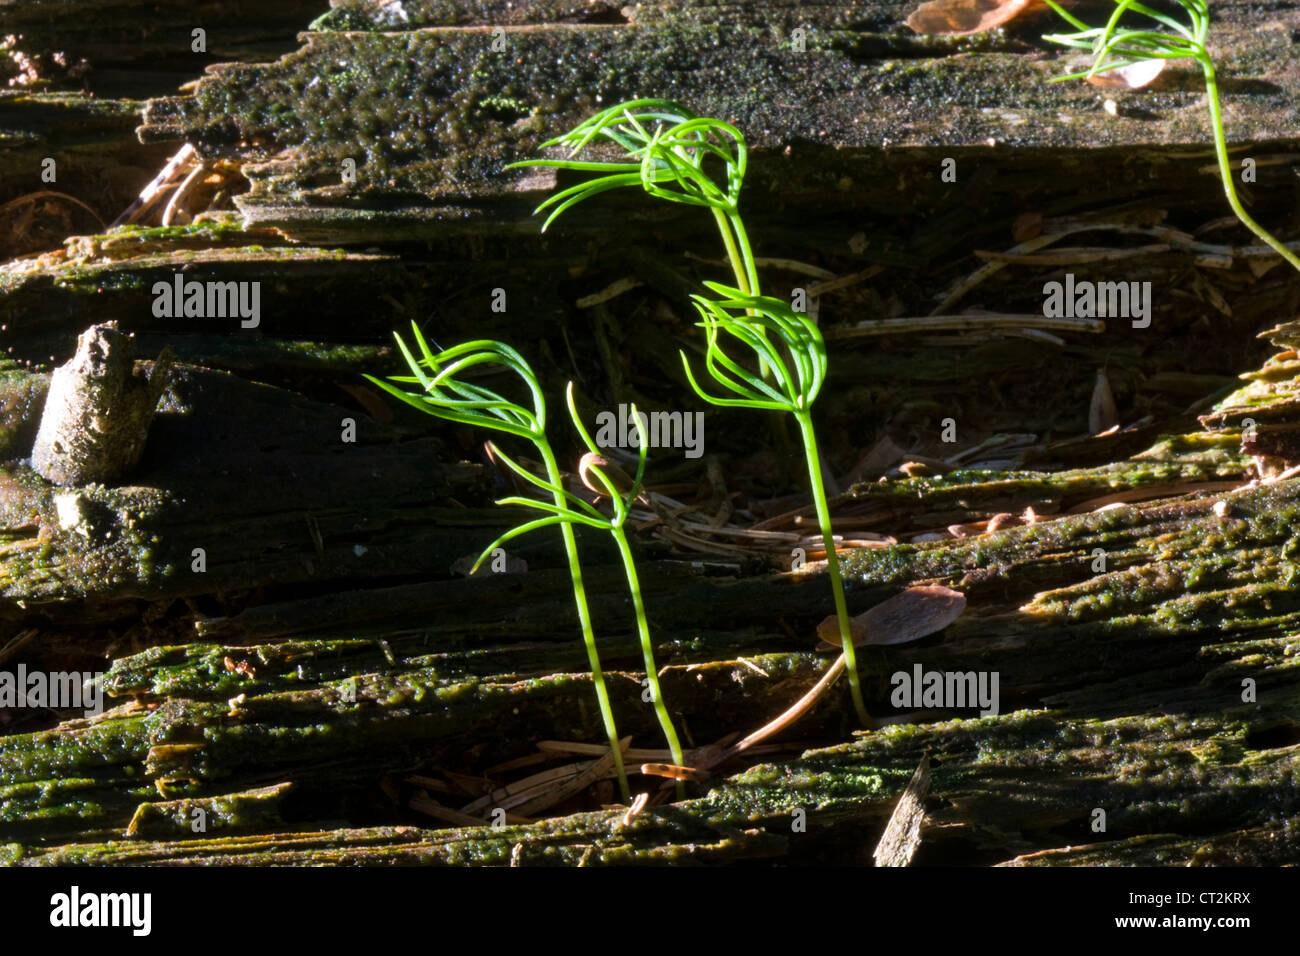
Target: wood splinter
point(97, 412)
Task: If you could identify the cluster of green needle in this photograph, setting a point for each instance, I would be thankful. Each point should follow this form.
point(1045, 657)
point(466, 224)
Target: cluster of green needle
point(669, 152)
point(1114, 46)
point(567, 509)
point(443, 393)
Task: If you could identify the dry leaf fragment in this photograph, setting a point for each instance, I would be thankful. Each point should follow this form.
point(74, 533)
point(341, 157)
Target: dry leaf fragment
point(962, 17)
point(909, 616)
point(1131, 77)
point(1102, 413)
point(1259, 266)
point(619, 478)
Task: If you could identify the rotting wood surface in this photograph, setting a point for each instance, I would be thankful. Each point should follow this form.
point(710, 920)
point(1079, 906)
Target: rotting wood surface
point(326, 665)
point(1120, 690)
point(434, 106)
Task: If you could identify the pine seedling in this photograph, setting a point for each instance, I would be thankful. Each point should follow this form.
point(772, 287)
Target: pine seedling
point(1114, 46)
point(798, 370)
point(442, 394)
point(668, 162)
point(665, 151)
point(568, 509)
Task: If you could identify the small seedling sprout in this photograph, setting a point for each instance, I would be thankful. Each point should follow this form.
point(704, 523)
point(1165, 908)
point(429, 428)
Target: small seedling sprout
point(1114, 46)
point(668, 162)
point(568, 509)
point(445, 396)
point(665, 149)
point(799, 375)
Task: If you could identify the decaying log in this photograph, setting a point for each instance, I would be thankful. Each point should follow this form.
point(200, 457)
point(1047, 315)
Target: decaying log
point(283, 637)
point(431, 109)
point(1131, 680)
point(259, 481)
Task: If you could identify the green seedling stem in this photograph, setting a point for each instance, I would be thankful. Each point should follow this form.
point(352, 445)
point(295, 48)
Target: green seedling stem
point(568, 509)
point(584, 621)
point(622, 500)
point(1113, 47)
point(755, 321)
point(441, 394)
point(668, 161)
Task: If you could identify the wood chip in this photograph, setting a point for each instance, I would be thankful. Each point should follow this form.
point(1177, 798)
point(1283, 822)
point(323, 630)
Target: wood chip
point(1102, 413)
point(638, 804)
point(902, 837)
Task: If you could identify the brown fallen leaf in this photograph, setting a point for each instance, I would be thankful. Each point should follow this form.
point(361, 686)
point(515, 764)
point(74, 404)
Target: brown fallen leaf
point(905, 617)
point(617, 477)
point(957, 18)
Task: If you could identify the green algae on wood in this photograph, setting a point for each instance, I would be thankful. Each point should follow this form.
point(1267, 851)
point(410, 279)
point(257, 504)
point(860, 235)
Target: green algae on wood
point(1210, 758)
point(332, 730)
point(247, 810)
point(22, 396)
point(999, 780)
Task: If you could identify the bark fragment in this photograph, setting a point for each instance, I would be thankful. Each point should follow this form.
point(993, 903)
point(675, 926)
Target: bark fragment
point(98, 410)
